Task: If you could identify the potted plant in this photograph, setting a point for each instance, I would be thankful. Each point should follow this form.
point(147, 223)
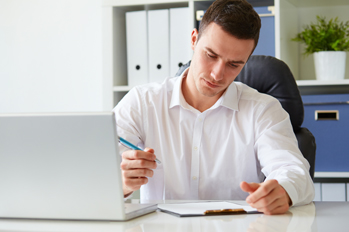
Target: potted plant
point(328, 41)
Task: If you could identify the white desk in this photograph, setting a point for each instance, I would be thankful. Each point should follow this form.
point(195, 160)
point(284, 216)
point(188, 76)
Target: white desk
point(318, 216)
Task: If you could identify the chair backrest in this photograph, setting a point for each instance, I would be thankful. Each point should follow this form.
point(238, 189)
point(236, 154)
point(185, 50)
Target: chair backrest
point(272, 76)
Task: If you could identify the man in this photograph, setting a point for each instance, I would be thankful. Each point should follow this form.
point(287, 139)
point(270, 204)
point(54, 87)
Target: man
point(216, 139)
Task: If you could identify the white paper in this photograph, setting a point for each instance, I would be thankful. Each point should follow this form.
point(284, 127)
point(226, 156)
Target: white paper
point(198, 208)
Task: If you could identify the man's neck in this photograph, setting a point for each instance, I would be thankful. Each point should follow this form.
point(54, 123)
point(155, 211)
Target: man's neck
point(194, 98)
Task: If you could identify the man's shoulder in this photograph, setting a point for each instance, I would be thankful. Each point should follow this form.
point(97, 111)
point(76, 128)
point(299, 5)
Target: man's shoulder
point(145, 94)
point(251, 99)
point(249, 93)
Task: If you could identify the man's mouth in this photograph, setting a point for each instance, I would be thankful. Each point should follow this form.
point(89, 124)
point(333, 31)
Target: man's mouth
point(210, 84)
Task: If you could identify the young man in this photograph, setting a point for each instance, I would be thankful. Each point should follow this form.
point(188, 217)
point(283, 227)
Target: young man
point(216, 139)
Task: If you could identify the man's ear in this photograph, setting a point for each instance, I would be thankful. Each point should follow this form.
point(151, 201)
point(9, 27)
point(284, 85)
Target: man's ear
point(194, 38)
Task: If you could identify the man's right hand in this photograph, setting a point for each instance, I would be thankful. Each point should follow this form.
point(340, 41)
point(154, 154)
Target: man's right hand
point(136, 167)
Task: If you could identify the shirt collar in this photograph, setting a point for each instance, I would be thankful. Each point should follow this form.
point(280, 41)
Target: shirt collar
point(229, 99)
point(177, 95)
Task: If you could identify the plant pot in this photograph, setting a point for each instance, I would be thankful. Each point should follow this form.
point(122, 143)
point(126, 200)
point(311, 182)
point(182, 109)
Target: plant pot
point(330, 65)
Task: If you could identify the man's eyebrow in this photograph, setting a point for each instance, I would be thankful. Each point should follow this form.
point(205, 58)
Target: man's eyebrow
point(211, 51)
point(230, 61)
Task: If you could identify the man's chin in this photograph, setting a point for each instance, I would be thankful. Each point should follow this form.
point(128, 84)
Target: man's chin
point(210, 93)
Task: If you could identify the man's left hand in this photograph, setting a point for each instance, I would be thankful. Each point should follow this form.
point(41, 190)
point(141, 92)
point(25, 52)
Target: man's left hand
point(268, 197)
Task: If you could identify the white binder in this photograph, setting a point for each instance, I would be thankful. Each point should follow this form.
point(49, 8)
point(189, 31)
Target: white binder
point(158, 45)
point(137, 52)
point(180, 31)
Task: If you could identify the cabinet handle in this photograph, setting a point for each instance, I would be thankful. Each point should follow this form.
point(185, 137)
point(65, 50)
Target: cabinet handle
point(326, 115)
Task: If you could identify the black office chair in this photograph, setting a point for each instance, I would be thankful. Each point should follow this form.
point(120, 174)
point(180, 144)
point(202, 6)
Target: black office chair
point(272, 76)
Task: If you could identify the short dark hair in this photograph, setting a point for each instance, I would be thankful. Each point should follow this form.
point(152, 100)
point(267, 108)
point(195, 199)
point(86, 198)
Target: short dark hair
point(237, 17)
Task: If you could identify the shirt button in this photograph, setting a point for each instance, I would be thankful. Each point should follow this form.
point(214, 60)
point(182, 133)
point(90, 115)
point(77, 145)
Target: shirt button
point(200, 119)
point(195, 148)
point(195, 178)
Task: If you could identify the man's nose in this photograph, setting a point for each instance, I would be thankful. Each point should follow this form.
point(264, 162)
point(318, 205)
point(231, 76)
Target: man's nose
point(217, 72)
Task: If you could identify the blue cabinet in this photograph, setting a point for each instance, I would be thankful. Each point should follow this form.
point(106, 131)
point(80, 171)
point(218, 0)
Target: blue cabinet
point(266, 43)
point(327, 117)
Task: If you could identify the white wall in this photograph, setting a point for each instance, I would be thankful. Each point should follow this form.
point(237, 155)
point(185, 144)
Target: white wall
point(50, 55)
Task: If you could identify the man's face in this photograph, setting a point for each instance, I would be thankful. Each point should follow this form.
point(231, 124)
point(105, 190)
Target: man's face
point(218, 59)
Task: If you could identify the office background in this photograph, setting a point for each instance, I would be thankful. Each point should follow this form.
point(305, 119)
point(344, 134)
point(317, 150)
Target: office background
point(51, 53)
point(59, 55)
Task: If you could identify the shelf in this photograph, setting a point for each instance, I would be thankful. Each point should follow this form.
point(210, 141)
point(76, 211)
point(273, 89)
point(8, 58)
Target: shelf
point(331, 174)
point(322, 83)
point(318, 3)
point(290, 17)
point(122, 88)
point(302, 84)
point(120, 3)
point(331, 177)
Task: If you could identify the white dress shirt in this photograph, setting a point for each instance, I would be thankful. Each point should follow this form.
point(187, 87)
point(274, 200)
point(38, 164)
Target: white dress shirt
point(244, 136)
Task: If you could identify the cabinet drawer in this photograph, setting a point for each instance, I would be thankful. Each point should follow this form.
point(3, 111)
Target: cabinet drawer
point(327, 117)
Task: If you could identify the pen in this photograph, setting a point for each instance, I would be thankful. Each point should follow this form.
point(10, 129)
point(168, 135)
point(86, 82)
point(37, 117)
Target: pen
point(133, 147)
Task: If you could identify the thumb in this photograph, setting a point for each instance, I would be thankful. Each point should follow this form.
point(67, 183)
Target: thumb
point(249, 187)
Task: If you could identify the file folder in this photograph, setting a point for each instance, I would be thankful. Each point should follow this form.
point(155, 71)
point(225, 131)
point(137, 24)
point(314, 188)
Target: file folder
point(205, 209)
point(137, 48)
point(158, 45)
point(180, 31)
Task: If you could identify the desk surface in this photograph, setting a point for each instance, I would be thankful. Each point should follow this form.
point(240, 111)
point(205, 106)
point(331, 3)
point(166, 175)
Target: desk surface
point(317, 216)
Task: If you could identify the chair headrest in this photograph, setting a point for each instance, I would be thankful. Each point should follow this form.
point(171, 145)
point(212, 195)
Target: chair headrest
point(272, 76)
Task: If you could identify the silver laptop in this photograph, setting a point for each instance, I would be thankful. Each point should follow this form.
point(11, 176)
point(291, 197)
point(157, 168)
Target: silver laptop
point(62, 166)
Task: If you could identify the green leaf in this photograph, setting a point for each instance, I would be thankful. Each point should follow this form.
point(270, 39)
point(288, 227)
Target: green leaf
point(324, 35)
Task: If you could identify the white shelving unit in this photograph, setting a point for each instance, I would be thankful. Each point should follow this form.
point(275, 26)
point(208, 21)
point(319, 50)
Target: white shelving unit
point(307, 87)
point(301, 13)
point(114, 42)
point(290, 17)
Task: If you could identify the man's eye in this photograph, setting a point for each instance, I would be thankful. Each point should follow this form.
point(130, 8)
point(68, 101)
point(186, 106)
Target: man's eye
point(211, 56)
point(233, 65)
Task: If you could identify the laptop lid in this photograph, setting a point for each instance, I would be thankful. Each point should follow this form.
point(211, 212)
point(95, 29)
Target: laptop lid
point(60, 166)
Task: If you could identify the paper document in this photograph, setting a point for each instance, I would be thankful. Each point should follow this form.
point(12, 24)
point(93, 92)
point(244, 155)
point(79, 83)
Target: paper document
point(205, 208)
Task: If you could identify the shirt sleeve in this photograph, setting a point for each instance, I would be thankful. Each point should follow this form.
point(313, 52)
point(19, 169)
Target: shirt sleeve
point(278, 153)
point(129, 118)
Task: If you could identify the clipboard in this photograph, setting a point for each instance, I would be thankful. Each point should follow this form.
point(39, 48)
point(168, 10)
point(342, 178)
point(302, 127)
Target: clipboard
point(205, 209)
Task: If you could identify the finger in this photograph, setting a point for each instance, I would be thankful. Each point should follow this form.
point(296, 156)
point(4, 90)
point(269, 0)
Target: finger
point(137, 164)
point(249, 187)
point(267, 200)
point(277, 207)
point(134, 184)
point(135, 173)
point(279, 210)
point(263, 190)
point(278, 194)
point(275, 202)
point(138, 154)
point(148, 149)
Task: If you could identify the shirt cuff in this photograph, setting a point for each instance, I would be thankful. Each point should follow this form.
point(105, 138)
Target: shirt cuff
point(291, 191)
